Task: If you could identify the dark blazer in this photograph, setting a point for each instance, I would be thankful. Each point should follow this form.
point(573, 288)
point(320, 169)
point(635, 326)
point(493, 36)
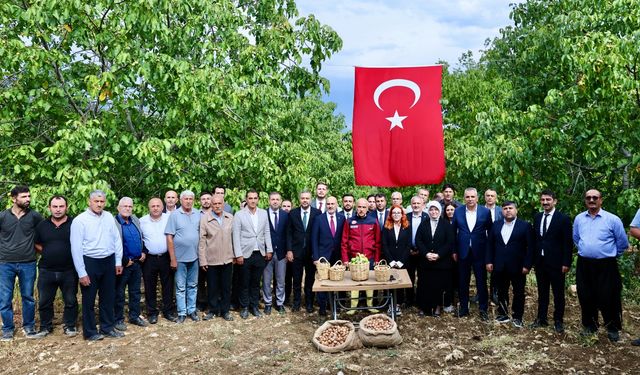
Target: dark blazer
point(497, 212)
point(393, 249)
point(424, 216)
point(514, 255)
point(299, 239)
point(477, 237)
point(375, 214)
point(279, 234)
point(323, 244)
point(557, 242)
point(442, 243)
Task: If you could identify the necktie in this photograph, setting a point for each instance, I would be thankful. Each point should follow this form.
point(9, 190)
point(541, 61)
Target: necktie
point(380, 219)
point(275, 219)
point(544, 224)
point(332, 224)
point(320, 206)
point(304, 220)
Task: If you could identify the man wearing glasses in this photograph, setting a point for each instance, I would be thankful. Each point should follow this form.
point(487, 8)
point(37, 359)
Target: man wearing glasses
point(600, 239)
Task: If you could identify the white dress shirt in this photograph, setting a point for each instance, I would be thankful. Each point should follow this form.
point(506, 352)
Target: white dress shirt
point(153, 233)
point(94, 236)
point(507, 229)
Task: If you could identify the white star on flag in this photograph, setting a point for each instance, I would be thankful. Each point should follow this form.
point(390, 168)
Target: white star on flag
point(396, 120)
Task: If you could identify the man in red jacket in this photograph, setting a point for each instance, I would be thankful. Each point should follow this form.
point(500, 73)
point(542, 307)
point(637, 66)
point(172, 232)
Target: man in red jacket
point(361, 234)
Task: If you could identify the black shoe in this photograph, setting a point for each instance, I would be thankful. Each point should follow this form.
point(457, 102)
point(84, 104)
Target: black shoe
point(588, 331)
point(31, 333)
point(227, 316)
point(484, 316)
point(171, 317)
point(138, 322)
point(70, 331)
point(244, 313)
point(233, 306)
point(280, 309)
point(462, 313)
point(267, 310)
point(194, 316)
point(636, 342)
point(180, 319)
point(613, 336)
point(120, 326)
point(322, 312)
point(517, 323)
point(538, 323)
point(96, 337)
point(295, 307)
point(558, 327)
point(114, 333)
point(153, 319)
point(209, 316)
point(255, 312)
point(309, 309)
point(500, 319)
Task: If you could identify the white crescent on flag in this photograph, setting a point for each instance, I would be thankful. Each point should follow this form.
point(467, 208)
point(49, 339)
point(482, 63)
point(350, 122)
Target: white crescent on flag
point(395, 83)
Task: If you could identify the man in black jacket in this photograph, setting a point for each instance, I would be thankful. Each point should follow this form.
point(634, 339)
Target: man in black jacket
point(553, 251)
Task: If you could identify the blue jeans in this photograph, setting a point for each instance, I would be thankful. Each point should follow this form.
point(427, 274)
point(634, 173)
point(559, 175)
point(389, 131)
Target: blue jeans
point(186, 287)
point(26, 273)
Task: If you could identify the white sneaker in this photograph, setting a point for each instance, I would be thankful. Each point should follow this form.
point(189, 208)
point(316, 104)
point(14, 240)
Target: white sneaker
point(449, 309)
point(398, 311)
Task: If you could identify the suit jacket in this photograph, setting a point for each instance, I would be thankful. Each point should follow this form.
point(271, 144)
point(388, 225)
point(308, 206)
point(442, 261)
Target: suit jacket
point(441, 242)
point(299, 239)
point(314, 204)
point(393, 249)
point(323, 244)
point(279, 234)
point(424, 216)
point(516, 253)
point(375, 214)
point(557, 241)
point(245, 236)
point(497, 210)
point(476, 238)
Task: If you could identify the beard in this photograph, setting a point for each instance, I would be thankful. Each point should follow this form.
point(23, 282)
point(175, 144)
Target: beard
point(23, 205)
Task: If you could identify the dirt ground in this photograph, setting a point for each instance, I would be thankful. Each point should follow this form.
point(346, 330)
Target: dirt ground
point(281, 344)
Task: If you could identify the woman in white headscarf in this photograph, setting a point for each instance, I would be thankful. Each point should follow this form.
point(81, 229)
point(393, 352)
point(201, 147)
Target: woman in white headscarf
point(434, 240)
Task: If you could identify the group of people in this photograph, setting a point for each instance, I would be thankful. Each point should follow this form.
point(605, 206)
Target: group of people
point(211, 257)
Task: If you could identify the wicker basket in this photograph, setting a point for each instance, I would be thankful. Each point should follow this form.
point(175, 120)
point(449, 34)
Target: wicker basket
point(359, 271)
point(336, 273)
point(322, 268)
point(382, 271)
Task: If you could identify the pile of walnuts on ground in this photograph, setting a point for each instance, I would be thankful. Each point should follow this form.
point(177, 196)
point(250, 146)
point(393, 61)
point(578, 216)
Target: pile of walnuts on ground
point(379, 324)
point(334, 336)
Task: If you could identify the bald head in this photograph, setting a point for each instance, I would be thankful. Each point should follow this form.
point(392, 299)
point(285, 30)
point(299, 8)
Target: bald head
point(155, 208)
point(362, 207)
point(332, 205)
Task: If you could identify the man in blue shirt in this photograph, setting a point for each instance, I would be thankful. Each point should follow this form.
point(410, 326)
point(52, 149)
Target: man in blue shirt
point(132, 258)
point(600, 239)
point(183, 235)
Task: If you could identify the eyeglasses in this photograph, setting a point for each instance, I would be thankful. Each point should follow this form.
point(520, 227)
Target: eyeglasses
point(591, 198)
point(396, 213)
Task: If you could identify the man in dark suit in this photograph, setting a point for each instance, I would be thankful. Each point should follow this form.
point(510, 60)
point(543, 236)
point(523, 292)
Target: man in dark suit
point(415, 218)
point(509, 258)
point(299, 250)
point(277, 267)
point(553, 253)
point(471, 224)
point(381, 211)
point(326, 234)
point(490, 199)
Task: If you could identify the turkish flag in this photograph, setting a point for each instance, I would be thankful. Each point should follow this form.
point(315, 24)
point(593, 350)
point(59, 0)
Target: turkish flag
point(397, 126)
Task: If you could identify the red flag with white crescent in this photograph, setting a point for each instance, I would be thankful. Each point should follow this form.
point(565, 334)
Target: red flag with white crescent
point(397, 126)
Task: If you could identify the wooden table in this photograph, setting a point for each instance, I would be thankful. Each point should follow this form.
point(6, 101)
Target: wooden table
point(400, 280)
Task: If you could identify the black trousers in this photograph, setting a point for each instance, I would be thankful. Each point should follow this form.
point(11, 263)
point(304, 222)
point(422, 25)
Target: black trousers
point(102, 274)
point(550, 278)
point(219, 288)
point(288, 283)
point(408, 295)
point(154, 267)
point(236, 283)
point(515, 279)
point(303, 266)
point(48, 284)
point(432, 285)
point(201, 298)
point(599, 289)
point(130, 280)
point(250, 276)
